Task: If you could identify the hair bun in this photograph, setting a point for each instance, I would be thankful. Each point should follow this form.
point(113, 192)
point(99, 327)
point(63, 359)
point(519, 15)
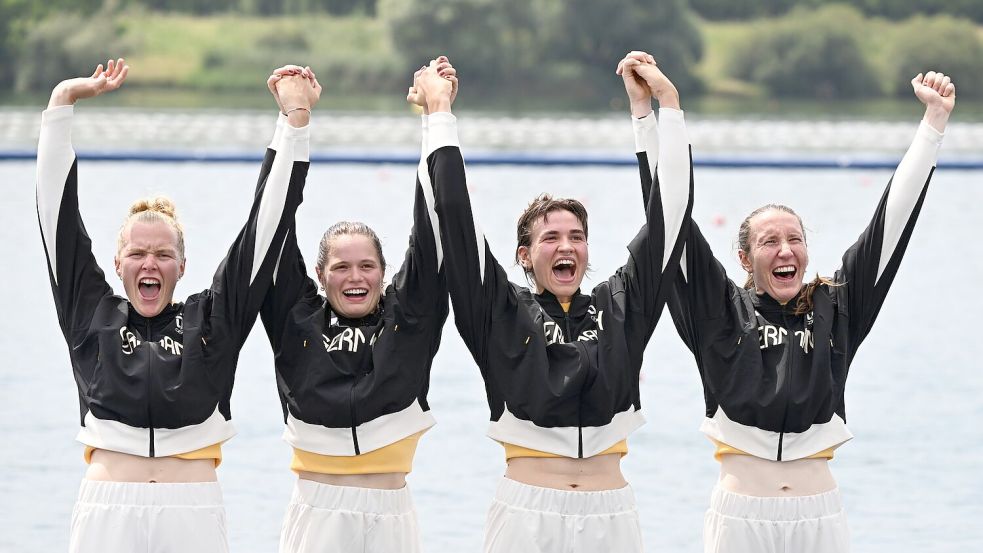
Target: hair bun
point(160, 204)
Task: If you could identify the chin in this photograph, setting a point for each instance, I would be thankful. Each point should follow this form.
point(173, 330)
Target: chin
point(786, 296)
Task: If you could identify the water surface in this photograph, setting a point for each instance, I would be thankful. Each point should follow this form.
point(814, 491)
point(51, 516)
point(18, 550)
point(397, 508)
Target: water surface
point(911, 478)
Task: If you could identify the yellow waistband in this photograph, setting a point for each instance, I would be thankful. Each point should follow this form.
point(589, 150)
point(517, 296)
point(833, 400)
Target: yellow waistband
point(395, 457)
point(213, 451)
point(512, 451)
point(724, 449)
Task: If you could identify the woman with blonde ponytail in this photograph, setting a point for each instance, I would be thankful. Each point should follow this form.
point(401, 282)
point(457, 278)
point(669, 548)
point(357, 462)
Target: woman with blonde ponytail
point(154, 374)
point(774, 354)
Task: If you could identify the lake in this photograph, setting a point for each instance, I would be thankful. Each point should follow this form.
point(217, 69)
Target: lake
point(911, 479)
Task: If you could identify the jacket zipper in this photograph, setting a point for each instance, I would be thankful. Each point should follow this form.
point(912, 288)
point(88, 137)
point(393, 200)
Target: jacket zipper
point(580, 429)
point(351, 402)
point(150, 413)
point(788, 377)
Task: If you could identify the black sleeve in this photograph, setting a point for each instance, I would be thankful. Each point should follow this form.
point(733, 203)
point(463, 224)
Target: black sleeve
point(701, 289)
point(478, 285)
point(77, 282)
point(243, 278)
point(420, 286)
point(655, 251)
point(870, 265)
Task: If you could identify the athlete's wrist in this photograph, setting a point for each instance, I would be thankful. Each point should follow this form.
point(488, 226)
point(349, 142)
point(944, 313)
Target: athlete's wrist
point(937, 117)
point(640, 108)
point(61, 96)
point(668, 99)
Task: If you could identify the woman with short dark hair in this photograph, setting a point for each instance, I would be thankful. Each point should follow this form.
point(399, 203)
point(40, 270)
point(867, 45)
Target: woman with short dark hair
point(561, 367)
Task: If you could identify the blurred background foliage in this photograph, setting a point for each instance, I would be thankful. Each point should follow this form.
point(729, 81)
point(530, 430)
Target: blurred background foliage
point(541, 54)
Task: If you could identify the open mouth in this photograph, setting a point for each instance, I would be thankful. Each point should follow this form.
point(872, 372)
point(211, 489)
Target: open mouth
point(355, 294)
point(149, 288)
point(565, 270)
point(785, 273)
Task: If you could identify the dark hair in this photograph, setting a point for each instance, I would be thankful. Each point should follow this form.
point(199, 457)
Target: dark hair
point(804, 303)
point(342, 228)
point(541, 207)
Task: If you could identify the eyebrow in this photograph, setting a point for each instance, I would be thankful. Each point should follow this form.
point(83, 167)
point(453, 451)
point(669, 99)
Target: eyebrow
point(359, 262)
point(165, 249)
point(554, 232)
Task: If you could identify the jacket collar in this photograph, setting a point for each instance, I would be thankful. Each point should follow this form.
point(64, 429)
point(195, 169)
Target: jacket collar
point(549, 303)
point(764, 302)
point(157, 322)
point(333, 318)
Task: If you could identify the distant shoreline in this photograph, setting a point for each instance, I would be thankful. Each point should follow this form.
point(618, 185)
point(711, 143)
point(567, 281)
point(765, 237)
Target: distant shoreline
point(98, 128)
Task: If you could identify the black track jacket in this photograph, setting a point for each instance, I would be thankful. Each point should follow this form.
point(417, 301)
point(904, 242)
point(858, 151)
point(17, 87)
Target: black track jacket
point(353, 386)
point(564, 383)
point(160, 386)
point(773, 381)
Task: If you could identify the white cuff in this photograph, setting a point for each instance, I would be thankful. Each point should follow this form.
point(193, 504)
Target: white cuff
point(55, 139)
point(930, 133)
point(301, 137)
point(670, 114)
point(57, 113)
point(442, 131)
point(642, 127)
point(281, 121)
point(672, 124)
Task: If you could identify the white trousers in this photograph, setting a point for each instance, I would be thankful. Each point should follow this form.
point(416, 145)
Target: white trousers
point(129, 517)
point(530, 519)
point(746, 524)
point(323, 518)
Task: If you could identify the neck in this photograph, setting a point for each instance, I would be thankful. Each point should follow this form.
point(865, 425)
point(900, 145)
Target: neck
point(559, 299)
point(761, 292)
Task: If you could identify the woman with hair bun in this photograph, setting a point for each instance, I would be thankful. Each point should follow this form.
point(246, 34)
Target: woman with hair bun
point(353, 371)
point(154, 375)
point(774, 354)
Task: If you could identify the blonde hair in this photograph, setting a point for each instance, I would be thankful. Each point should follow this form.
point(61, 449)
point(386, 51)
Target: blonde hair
point(152, 210)
point(805, 302)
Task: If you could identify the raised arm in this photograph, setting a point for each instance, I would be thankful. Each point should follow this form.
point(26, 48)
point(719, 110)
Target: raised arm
point(477, 284)
point(77, 281)
point(242, 280)
point(643, 118)
point(706, 281)
point(420, 284)
point(656, 249)
point(870, 265)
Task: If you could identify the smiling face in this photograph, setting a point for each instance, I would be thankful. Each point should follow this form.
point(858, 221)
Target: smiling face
point(352, 275)
point(150, 264)
point(556, 254)
point(776, 254)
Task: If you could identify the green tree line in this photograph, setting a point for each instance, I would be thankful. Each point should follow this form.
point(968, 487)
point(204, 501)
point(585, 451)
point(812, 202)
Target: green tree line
point(835, 52)
point(730, 10)
point(561, 52)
